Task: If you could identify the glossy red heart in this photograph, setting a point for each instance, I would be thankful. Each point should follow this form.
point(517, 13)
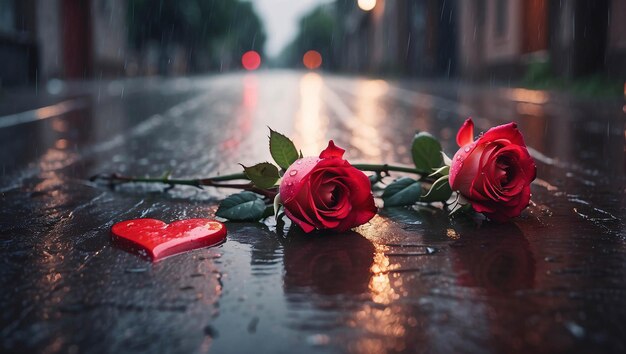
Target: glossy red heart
point(156, 239)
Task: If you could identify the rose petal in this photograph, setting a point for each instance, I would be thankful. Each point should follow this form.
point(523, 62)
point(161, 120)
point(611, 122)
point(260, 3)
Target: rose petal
point(465, 168)
point(494, 172)
point(292, 181)
point(332, 151)
point(522, 203)
point(324, 184)
point(502, 213)
point(305, 226)
point(327, 193)
point(483, 207)
point(516, 176)
point(466, 133)
point(324, 196)
point(505, 131)
point(298, 210)
point(366, 213)
point(360, 188)
point(319, 221)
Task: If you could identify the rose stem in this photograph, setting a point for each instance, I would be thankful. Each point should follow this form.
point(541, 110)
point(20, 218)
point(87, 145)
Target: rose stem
point(210, 182)
point(385, 168)
point(214, 181)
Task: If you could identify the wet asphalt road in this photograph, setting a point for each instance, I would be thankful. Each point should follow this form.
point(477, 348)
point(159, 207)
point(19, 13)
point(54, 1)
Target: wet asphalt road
point(554, 280)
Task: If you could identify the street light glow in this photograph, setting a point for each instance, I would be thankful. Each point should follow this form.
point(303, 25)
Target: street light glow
point(251, 60)
point(312, 59)
point(366, 5)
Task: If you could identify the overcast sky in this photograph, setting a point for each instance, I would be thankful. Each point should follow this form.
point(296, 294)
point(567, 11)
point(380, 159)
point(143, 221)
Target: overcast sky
point(280, 18)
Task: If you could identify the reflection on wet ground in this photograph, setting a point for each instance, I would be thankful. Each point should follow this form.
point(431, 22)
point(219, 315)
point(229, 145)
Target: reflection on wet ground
point(411, 280)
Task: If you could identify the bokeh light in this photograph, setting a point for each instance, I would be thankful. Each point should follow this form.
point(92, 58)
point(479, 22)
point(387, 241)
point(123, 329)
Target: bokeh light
point(367, 5)
point(251, 60)
point(312, 59)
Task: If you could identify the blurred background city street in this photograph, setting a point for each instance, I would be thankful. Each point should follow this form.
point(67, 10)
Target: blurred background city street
point(566, 44)
point(145, 87)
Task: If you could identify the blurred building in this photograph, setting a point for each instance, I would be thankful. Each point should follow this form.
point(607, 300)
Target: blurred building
point(616, 47)
point(483, 39)
point(498, 36)
point(503, 38)
point(399, 36)
point(67, 39)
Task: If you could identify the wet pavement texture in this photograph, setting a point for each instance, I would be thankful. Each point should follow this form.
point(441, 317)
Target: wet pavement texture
point(554, 280)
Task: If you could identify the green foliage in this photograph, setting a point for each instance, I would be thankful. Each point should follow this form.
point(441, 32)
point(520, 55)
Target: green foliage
point(538, 72)
point(539, 75)
point(283, 150)
point(426, 153)
point(244, 206)
point(403, 191)
point(440, 191)
point(201, 26)
point(316, 31)
point(276, 205)
point(441, 171)
point(263, 175)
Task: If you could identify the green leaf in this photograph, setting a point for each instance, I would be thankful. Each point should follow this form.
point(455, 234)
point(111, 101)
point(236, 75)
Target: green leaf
point(446, 160)
point(404, 191)
point(283, 150)
point(403, 215)
point(426, 152)
point(263, 175)
point(373, 179)
point(440, 191)
point(459, 209)
point(269, 211)
point(244, 206)
point(442, 171)
point(166, 175)
point(277, 203)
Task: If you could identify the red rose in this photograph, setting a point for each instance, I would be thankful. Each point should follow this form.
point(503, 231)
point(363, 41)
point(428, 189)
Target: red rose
point(327, 192)
point(494, 172)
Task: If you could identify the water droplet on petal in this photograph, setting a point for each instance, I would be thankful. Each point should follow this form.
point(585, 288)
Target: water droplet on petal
point(299, 162)
point(293, 172)
point(467, 149)
point(290, 184)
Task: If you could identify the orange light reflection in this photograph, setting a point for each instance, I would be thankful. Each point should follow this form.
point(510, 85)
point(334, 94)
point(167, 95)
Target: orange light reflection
point(311, 124)
point(380, 284)
point(369, 116)
point(55, 110)
point(385, 324)
point(529, 96)
point(61, 144)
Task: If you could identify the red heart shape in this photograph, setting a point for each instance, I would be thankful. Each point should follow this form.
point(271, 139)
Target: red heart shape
point(154, 238)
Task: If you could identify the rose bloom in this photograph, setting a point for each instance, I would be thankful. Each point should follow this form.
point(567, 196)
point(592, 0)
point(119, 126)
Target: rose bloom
point(327, 193)
point(494, 172)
